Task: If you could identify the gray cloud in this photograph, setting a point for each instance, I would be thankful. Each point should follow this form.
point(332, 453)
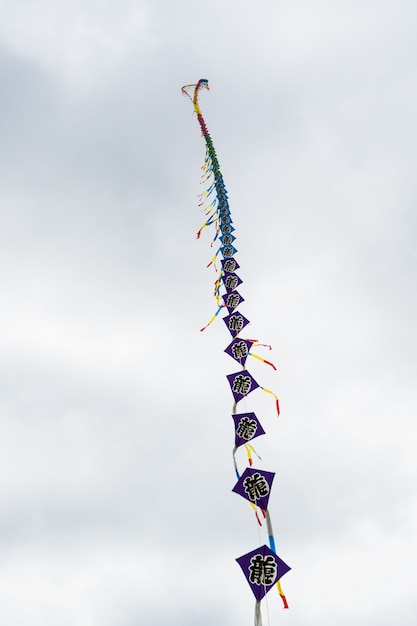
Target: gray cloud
point(116, 435)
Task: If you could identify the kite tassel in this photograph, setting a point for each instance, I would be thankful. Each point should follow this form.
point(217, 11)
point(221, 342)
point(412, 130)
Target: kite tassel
point(255, 356)
point(249, 449)
point(284, 601)
point(276, 398)
point(281, 593)
point(269, 363)
point(264, 345)
point(212, 319)
point(248, 452)
point(255, 510)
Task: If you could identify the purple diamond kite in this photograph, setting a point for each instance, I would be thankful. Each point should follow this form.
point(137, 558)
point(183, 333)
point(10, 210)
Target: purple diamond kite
point(239, 349)
point(247, 427)
point(255, 485)
point(262, 569)
point(241, 384)
point(232, 300)
point(231, 281)
point(229, 265)
point(235, 322)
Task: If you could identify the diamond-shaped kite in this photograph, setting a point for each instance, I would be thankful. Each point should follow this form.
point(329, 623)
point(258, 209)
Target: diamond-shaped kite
point(262, 569)
point(241, 384)
point(255, 485)
point(247, 427)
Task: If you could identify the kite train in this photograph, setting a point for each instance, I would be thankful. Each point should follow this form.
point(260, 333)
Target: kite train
point(262, 566)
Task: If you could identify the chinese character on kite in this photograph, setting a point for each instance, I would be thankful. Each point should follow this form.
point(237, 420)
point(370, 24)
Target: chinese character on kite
point(262, 567)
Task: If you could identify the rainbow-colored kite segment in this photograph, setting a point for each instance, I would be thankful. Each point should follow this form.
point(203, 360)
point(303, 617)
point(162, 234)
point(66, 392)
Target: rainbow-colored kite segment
point(262, 567)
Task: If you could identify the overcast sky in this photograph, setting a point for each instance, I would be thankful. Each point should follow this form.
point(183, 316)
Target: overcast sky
point(115, 414)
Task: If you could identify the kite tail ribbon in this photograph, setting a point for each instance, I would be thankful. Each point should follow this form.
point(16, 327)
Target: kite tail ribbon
point(258, 614)
point(275, 396)
point(272, 546)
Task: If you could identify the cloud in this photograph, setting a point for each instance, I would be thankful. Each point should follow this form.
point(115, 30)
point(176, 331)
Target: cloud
point(116, 429)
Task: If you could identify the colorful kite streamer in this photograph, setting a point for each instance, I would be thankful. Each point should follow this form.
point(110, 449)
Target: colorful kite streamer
point(262, 567)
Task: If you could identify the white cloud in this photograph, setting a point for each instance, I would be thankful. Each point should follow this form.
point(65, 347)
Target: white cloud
point(116, 433)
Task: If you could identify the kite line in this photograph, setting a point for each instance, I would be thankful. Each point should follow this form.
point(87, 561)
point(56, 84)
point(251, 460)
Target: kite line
point(262, 566)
